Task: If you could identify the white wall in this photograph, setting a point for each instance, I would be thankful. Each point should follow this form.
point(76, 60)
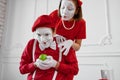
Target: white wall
point(101, 48)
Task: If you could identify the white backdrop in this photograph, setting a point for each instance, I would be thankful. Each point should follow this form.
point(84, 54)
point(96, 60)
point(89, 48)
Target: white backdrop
point(102, 46)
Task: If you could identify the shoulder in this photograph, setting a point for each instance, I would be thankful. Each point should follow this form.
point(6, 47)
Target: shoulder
point(54, 12)
point(30, 42)
point(82, 21)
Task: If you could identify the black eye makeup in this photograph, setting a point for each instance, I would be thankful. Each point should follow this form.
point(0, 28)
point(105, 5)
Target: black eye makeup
point(46, 34)
point(38, 34)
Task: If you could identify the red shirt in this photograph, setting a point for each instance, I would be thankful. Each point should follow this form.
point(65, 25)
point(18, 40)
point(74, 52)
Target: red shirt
point(78, 31)
point(66, 71)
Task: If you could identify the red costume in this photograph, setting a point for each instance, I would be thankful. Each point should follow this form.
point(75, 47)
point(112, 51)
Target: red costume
point(78, 31)
point(67, 69)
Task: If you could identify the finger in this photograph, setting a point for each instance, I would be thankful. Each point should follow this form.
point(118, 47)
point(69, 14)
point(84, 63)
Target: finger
point(61, 40)
point(66, 52)
point(60, 45)
point(43, 64)
point(48, 60)
point(64, 39)
point(62, 49)
point(38, 61)
point(44, 67)
point(58, 40)
point(49, 57)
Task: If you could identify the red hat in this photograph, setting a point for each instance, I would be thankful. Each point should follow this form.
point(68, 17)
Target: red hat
point(79, 2)
point(43, 21)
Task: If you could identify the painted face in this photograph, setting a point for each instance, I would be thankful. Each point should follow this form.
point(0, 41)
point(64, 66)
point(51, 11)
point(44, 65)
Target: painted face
point(67, 9)
point(44, 36)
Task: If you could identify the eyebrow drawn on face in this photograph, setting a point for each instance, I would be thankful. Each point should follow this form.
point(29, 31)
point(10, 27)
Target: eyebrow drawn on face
point(47, 34)
point(38, 34)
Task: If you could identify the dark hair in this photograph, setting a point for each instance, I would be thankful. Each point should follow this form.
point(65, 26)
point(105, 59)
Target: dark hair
point(78, 13)
point(53, 30)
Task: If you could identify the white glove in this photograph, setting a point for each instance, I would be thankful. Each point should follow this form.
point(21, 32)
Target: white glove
point(41, 65)
point(65, 46)
point(50, 62)
point(59, 38)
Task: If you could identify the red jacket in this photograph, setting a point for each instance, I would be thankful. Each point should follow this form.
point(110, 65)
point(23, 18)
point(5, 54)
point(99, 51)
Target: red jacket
point(67, 69)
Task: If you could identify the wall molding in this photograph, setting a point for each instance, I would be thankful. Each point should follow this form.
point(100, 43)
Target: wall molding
point(99, 54)
point(106, 38)
point(3, 4)
point(16, 58)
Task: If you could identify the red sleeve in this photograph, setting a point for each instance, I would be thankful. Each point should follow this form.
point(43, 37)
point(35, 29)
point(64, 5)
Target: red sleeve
point(55, 17)
point(82, 30)
point(26, 63)
point(71, 64)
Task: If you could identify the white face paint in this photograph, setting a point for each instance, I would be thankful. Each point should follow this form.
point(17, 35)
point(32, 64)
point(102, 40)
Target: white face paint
point(44, 36)
point(67, 9)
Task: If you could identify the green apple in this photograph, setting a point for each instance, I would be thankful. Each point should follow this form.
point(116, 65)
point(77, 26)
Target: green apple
point(43, 57)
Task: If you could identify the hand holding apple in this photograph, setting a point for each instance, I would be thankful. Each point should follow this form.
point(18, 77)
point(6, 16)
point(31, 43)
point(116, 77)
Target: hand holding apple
point(45, 62)
point(43, 57)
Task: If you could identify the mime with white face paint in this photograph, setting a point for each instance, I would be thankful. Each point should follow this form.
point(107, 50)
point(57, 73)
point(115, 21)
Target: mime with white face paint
point(70, 25)
point(65, 67)
point(67, 10)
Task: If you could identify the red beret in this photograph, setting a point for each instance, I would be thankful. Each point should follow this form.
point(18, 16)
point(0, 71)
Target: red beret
point(79, 2)
point(43, 21)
